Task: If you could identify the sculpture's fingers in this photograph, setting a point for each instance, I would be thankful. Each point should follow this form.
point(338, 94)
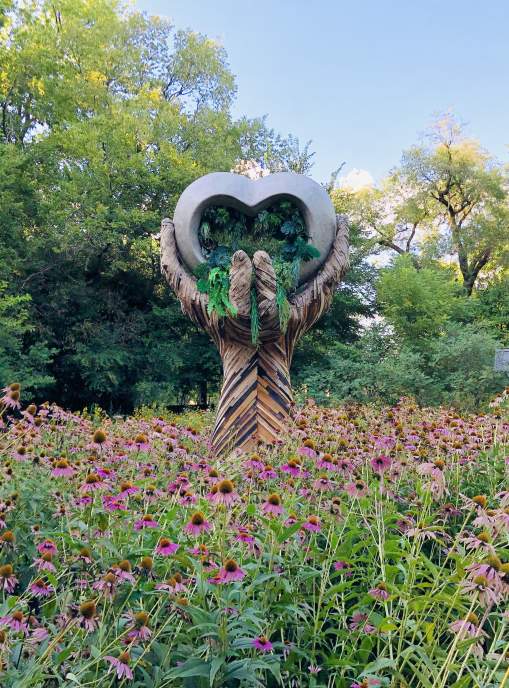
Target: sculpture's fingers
point(265, 277)
point(241, 273)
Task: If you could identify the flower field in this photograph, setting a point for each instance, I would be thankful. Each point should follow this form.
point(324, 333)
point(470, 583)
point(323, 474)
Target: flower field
point(369, 547)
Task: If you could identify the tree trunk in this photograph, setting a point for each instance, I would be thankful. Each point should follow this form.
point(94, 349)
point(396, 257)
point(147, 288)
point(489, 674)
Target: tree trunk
point(203, 394)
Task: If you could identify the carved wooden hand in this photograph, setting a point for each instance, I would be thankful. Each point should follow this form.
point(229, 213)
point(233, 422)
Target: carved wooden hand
point(256, 394)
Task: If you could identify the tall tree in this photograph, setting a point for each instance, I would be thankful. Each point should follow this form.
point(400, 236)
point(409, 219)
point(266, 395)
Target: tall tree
point(467, 197)
point(105, 116)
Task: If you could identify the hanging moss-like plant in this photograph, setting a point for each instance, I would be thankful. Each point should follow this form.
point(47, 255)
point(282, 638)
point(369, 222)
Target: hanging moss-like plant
point(280, 230)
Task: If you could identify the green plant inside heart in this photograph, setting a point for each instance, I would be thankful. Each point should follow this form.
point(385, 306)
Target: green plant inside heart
point(279, 229)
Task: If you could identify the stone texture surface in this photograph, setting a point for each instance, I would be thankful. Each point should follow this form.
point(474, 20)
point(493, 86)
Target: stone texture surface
point(237, 191)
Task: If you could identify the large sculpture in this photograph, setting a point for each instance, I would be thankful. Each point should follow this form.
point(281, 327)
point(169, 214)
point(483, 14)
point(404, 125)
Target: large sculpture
point(256, 394)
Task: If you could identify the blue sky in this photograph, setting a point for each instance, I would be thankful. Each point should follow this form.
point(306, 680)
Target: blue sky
point(361, 79)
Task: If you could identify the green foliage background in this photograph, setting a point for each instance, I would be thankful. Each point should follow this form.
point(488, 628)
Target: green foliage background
point(105, 117)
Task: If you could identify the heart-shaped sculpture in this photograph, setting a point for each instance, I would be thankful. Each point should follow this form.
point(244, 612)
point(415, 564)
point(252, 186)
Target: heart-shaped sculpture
point(250, 197)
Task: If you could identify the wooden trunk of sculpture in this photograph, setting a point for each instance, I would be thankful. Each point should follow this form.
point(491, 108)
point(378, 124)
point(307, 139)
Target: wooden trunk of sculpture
point(256, 395)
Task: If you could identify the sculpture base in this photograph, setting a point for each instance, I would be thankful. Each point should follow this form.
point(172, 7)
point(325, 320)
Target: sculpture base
point(256, 396)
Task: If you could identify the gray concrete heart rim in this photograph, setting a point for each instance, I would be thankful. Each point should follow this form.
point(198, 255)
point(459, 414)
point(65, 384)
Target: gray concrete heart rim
point(251, 196)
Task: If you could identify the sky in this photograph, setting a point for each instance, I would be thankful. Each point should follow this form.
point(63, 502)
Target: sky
point(363, 80)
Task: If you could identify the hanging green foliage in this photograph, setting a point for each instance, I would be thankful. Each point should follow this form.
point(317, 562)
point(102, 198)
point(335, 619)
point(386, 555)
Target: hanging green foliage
point(279, 230)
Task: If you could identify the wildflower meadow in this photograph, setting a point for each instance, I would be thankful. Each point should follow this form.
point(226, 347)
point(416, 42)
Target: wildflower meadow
point(366, 547)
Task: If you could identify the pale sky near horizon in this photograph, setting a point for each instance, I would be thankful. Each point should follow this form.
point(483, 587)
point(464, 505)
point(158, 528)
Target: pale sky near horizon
point(362, 81)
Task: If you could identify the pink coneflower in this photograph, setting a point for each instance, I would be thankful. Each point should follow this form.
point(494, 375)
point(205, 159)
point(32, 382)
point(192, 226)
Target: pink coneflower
point(11, 396)
point(146, 522)
point(487, 594)
point(111, 503)
point(450, 511)
point(85, 555)
point(293, 467)
point(173, 486)
point(39, 588)
point(106, 473)
point(199, 551)
point(47, 547)
point(482, 542)
point(99, 440)
point(127, 488)
point(44, 562)
point(63, 469)
point(92, 482)
point(379, 592)
point(343, 566)
point(291, 520)
point(327, 461)
point(308, 449)
point(344, 467)
point(208, 564)
point(166, 547)
point(381, 463)
point(422, 532)
point(366, 683)
point(322, 483)
point(151, 494)
point(273, 505)
point(262, 643)
point(359, 622)
point(8, 580)
point(357, 489)
point(467, 627)
point(107, 585)
point(223, 493)
point(121, 666)
point(21, 453)
point(141, 442)
point(174, 584)
point(212, 476)
point(122, 571)
point(140, 630)
point(229, 573)
point(88, 618)
point(16, 621)
point(435, 472)
point(312, 524)
point(254, 462)
point(36, 637)
point(187, 498)
point(198, 524)
point(268, 473)
point(244, 535)
point(490, 569)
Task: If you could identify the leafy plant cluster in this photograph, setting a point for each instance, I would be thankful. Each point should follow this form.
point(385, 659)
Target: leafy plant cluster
point(280, 230)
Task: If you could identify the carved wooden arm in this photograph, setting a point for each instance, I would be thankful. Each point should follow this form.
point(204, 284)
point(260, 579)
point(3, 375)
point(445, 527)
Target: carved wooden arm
point(308, 304)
